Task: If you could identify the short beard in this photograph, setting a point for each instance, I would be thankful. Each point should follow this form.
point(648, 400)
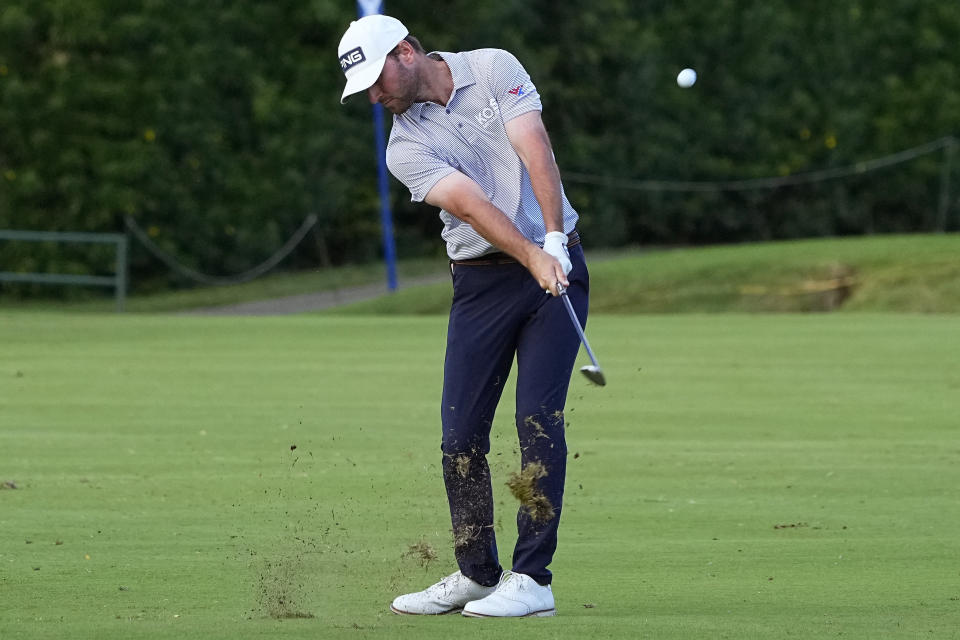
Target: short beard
point(409, 79)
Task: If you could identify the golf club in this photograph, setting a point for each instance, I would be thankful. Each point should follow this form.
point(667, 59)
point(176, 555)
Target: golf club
point(593, 372)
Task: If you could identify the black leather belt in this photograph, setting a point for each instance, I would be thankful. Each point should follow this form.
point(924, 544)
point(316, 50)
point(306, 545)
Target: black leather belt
point(499, 257)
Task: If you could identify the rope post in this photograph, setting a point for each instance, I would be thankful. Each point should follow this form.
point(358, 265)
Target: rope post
point(946, 169)
point(121, 274)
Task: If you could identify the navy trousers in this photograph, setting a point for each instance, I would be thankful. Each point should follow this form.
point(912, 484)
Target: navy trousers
point(500, 312)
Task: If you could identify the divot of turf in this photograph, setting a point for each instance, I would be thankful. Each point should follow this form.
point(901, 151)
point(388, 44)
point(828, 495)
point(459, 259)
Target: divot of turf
point(9, 484)
point(524, 488)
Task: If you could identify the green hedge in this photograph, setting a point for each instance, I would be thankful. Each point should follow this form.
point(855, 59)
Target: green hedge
point(217, 125)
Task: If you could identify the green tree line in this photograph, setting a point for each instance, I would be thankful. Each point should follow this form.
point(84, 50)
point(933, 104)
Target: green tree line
point(217, 126)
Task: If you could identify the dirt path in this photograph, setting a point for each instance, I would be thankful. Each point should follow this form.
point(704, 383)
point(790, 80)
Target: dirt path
point(312, 301)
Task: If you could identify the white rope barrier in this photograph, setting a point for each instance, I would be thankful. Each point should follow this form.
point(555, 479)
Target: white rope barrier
point(866, 166)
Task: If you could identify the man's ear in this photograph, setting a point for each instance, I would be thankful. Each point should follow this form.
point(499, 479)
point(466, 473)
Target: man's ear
point(405, 51)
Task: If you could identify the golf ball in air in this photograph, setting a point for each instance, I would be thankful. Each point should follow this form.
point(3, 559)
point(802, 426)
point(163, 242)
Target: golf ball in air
point(686, 78)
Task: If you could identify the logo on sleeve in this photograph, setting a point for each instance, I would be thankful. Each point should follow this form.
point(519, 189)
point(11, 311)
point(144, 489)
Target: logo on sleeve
point(517, 91)
point(351, 58)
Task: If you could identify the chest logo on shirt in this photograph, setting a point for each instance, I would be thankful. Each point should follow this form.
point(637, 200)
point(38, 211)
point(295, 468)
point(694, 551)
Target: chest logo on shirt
point(486, 116)
point(517, 91)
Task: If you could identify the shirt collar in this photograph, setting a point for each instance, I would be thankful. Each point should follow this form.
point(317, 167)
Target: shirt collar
point(462, 75)
point(459, 69)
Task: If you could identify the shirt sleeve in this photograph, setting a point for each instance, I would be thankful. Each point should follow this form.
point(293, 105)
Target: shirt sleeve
point(416, 166)
point(512, 86)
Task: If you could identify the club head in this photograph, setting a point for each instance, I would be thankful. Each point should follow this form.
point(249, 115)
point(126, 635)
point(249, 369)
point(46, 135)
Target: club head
point(594, 375)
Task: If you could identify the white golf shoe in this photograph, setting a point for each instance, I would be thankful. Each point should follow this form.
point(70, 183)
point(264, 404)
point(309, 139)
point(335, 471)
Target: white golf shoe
point(447, 596)
point(517, 596)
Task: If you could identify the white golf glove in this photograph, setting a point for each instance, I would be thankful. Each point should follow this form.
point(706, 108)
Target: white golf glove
point(555, 243)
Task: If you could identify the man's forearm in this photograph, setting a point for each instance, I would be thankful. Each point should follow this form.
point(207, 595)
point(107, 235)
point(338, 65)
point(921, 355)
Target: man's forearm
point(497, 229)
point(532, 143)
point(462, 197)
point(545, 180)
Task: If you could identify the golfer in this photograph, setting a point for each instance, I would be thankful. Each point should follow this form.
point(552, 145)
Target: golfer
point(467, 137)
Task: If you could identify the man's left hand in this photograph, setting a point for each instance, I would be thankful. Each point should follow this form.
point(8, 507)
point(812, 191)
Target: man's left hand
point(555, 243)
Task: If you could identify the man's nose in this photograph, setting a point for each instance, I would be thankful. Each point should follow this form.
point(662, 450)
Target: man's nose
point(374, 94)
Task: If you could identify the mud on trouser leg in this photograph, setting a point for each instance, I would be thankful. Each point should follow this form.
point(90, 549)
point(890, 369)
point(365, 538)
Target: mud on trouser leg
point(469, 493)
point(543, 471)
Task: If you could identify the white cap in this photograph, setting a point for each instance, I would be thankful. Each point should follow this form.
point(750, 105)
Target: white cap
point(363, 50)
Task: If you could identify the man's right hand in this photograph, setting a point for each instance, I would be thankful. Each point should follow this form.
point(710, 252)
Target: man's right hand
point(546, 270)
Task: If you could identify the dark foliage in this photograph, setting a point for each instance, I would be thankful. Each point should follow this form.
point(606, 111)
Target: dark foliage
point(217, 125)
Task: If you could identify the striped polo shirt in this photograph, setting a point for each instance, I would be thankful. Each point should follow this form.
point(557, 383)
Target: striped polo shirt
point(429, 142)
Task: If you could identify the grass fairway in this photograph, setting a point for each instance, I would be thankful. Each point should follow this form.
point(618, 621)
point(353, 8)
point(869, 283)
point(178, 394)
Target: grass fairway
point(741, 476)
point(917, 273)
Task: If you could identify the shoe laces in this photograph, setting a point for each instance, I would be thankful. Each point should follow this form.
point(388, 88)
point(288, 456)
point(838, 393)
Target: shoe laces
point(446, 585)
point(510, 582)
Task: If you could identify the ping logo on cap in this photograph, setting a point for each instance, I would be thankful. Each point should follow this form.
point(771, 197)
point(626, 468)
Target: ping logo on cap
point(351, 58)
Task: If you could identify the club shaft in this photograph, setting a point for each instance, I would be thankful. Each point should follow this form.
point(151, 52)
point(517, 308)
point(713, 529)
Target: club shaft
point(576, 325)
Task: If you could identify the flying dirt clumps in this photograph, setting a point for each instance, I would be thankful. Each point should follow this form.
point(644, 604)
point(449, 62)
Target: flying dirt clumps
point(463, 465)
point(281, 593)
point(466, 534)
point(524, 488)
point(530, 422)
point(423, 552)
